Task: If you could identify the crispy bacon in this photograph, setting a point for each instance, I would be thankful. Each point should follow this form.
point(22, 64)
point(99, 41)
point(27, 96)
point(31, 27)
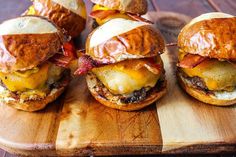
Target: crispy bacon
point(139, 18)
point(86, 63)
point(61, 60)
point(69, 50)
point(153, 66)
point(102, 14)
point(69, 54)
point(191, 61)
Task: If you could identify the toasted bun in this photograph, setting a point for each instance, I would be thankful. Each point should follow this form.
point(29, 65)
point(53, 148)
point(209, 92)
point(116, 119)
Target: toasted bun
point(131, 6)
point(211, 35)
point(26, 42)
point(110, 100)
point(67, 14)
point(120, 39)
point(35, 105)
point(226, 99)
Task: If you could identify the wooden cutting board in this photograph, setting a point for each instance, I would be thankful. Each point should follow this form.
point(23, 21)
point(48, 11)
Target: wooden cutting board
point(78, 125)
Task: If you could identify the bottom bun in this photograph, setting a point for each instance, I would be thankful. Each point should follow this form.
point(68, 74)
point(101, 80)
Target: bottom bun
point(203, 96)
point(35, 105)
point(105, 97)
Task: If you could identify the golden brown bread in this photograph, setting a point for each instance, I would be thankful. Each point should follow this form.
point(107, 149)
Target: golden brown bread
point(202, 95)
point(113, 101)
point(24, 51)
point(211, 37)
point(73, 21)
point(35, 105)
point(131, 6)
point(140, 42)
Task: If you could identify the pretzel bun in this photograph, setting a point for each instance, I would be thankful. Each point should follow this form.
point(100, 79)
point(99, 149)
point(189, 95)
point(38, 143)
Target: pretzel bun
point(26, 42)
point(216, 98)
point(102, 95)
point(35, 105)
point(131, 6)
point(67, 14)
point(120, 39)
point(211, 35)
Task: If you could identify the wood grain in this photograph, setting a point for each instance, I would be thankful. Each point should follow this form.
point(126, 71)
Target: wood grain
point(185, 121)
point(9, 10)
point(227, 6)
point(89, 127)
point(84, 127)
point(25, 133)
point(189, 7)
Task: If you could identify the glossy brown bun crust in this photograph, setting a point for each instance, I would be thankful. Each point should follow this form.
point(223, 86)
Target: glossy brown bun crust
point(110, 100)
point(35, 105)
point(23, 48)
point(141, 42)
point(202, 95)
point(64, 18)
point(131, 6)
point(25, 51)
point(214, 38)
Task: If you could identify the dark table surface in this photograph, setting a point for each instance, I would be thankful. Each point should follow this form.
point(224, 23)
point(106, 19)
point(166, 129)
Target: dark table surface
point(193, 8)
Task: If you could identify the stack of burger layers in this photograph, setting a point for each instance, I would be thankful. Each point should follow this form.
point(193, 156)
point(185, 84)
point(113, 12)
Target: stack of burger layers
point(36, 52)
point(122, 60)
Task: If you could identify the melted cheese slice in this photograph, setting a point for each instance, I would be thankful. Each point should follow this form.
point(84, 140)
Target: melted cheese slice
point(99, 7)
point(216, 74)
point(125, 77)
point(113, 28)
point(76, 6)
point(30, 79)
point(27, 25)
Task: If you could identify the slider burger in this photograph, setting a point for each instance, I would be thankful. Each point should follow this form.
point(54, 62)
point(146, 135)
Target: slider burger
point(125, 68)
point(67, 14)
point(29, 48)
point(105, 10)
point(207, 58)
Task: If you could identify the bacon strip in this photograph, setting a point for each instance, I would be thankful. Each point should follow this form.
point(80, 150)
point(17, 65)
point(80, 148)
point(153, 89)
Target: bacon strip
point(139, 18)
point(86, 63)
point(69, 50)
point(69, 54)
point(191, 61)
point(153, 66)
point(61, 60)
point(102, 14)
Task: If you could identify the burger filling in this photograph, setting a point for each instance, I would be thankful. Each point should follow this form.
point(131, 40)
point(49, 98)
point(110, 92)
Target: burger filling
point(104, 14)
point(32, 84)
point(211, 75)
point(130, 77)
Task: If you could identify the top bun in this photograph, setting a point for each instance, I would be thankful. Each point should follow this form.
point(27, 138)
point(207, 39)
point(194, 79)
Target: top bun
point(131, 6)
point(120, 39)
point(67, 14)
point(210, 35)
point(26, 42)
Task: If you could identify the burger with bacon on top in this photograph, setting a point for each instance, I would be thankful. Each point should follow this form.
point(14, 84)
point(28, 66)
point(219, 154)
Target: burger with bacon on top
point(33, 62)
point(105, 10)
point(125, 70)
point(207, 58)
